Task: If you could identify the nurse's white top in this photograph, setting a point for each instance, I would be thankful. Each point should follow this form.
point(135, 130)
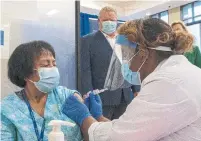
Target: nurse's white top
point(168, 107)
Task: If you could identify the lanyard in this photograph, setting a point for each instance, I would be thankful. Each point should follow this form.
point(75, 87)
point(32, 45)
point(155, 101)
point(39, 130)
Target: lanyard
point(39, 137)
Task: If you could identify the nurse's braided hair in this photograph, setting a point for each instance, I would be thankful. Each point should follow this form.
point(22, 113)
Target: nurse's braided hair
point(155, 32)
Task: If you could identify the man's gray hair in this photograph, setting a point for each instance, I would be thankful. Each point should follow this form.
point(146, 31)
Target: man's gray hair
point(107, 9)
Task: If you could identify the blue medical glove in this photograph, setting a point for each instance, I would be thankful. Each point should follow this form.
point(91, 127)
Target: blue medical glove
point(86, 102)
point(75, 110)
point(95, 105)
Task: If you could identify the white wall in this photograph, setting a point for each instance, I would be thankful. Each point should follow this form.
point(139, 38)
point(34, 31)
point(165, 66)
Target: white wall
point(174, 15)
point(29, 21)
point(24, 10)
point(196, 31)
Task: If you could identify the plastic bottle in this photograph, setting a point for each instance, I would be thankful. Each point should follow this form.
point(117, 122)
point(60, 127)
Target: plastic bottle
point(56, 134)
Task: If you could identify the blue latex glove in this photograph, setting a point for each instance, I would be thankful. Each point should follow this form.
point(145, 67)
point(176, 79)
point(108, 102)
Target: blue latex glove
point(75, 110)
point(86, 102)
point(94, 104)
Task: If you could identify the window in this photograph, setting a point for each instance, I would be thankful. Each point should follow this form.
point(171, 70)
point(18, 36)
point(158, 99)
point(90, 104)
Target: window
point(155, 16)
point(162, 16)
point(195, 29)
point(191, 13)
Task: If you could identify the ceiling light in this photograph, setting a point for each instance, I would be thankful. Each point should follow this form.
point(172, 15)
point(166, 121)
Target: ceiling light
point(52, 12)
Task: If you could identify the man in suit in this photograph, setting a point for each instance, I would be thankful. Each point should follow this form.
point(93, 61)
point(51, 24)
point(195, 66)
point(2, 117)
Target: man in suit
point(95, 55)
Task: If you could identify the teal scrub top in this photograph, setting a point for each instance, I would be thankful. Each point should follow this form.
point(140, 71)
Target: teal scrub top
point(16, 123)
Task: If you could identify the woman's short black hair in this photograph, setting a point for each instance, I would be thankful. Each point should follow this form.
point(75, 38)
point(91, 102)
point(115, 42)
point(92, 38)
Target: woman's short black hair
point(21, 62)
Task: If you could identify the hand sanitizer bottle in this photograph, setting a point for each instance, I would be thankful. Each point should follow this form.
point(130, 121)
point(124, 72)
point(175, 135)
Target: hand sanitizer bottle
point(56, 134)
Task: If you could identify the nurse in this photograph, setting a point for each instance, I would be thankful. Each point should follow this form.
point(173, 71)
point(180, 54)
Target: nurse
point(168, 107)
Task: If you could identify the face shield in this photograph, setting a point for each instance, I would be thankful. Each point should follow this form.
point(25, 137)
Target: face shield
point(119, 73)
point(123, 52)
point(124, 49)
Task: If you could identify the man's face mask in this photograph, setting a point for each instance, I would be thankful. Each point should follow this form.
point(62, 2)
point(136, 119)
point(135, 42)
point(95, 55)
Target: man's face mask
point(109, 27)
point(49, 79)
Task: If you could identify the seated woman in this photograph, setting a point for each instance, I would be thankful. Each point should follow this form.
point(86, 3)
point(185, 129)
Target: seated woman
point(25, 114)
point(193, 56)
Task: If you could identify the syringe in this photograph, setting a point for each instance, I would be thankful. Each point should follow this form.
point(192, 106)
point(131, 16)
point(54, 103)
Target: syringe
point(97, 91)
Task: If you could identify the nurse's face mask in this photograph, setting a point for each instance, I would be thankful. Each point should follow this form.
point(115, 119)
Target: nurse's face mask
point(126, 52)
point(131, 76)
point(119, 73)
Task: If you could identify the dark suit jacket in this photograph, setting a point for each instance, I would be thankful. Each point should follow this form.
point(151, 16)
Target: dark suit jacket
point(95, 55)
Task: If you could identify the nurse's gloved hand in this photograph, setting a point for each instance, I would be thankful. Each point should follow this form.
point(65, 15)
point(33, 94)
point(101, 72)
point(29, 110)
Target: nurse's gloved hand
point(95, 105)
point(75, 110)
point(86, 101)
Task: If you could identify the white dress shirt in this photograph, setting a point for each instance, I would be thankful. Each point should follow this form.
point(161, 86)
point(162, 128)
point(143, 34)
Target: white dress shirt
point(110, 40)
point(168, 107)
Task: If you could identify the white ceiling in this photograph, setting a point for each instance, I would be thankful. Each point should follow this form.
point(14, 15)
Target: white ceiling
point(153, 8)
point(129, 9)
point(37, 9)
point(122, 3)
point(94, 6)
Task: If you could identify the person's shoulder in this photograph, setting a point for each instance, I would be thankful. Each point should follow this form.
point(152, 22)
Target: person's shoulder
point(9, 98)
point(169, 69)
point(9, 102)
point(63, 91)
point(196, 48)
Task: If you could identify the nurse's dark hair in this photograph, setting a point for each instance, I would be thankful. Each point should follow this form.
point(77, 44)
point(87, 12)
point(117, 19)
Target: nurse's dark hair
point(21, 62)
point(153, 32)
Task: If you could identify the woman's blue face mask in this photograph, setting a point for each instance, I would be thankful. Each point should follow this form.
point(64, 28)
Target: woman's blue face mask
point(49, 79)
